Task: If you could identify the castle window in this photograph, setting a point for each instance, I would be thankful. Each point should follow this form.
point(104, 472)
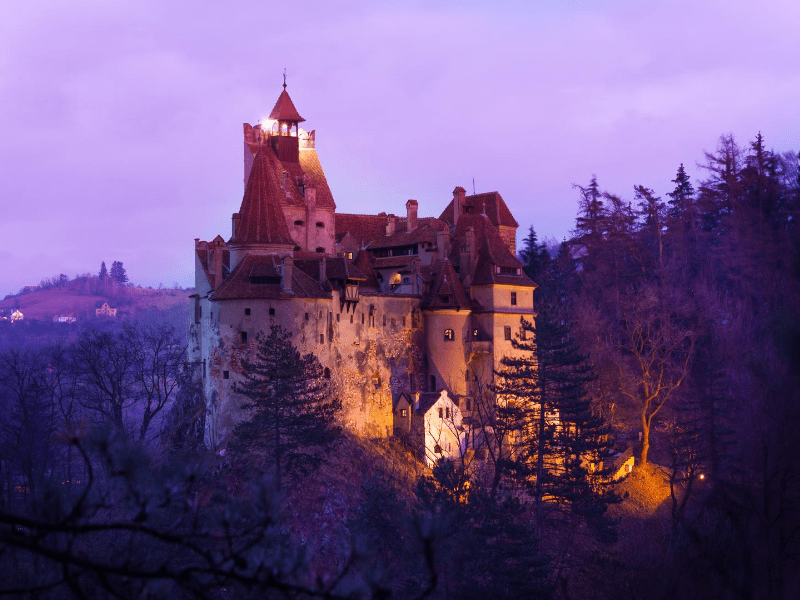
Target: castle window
point(507, 270)
point(338, 317)
point(320, 315)
point(348, 255)
point(507, 332)
point(449, 335)
point(474, 333)
point(321, 338)
point(247, 312)
point(393, 322)
point(299, 222)
point(204, 368)
point(384, 319)
point(404, 321)
point(441, 415)
point(211, 316)
point(403, 412)
point(297, 248)
point(320, 224)
point(351, 319)
point(226, 374)
point(243, 336)
point(468, 404)
point(433, 383)
point(319, 250)
point(362, 318)
point(406, 279)
point(447, 412)
point(445, 298)
point(305, 317)
point(326, 373)
point(271, 311)
point(513, 298)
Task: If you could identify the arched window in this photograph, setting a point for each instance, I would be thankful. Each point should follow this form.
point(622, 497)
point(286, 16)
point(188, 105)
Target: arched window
point(449, 335)
point(326, 373)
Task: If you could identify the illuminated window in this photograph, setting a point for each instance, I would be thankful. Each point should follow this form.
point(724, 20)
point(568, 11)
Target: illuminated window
point(449, 335)
point(403, 412)
point(513, 298)
point(348, 255)
point(474, 333)
point(507, 332)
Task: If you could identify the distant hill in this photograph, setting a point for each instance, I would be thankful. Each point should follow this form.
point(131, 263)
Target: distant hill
point(81, 300)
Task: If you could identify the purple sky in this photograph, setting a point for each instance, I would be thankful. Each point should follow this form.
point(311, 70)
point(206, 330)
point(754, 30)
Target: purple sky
point(122, 120)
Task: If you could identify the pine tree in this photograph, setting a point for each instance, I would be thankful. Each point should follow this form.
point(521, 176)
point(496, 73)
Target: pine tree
point(293, 413)
point(118, 273)
point(560, 439)
point(103, 272)
point(534, 257)
point(652, 213)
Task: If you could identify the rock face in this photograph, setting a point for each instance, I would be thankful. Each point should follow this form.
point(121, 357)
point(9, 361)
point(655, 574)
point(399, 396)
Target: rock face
point(391, 306)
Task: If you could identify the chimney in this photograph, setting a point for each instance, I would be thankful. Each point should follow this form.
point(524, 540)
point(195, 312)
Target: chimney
point(323, 276)
point(459, 195)
point(468, 254)
point(287, 266)
point(234, 224)
point(217, 258)
point(441, 243)
point(390, 224)
point(310, 191)
point(411, 215)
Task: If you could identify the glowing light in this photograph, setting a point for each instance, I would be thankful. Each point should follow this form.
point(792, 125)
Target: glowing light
point(702, 476)
point(266, 123)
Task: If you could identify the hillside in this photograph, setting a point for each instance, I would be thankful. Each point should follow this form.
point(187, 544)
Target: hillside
point(44, 304)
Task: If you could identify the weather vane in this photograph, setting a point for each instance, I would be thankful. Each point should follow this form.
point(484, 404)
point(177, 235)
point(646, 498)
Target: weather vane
point(284, 78)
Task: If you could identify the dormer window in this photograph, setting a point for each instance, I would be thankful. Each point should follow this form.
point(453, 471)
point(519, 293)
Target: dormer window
point(507, 270)
point(320, 224)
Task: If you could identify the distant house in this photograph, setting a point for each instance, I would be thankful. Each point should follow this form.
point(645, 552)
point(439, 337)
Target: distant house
point(432, 424)
point(105, 311)
point(70, 318)
point(17, 316)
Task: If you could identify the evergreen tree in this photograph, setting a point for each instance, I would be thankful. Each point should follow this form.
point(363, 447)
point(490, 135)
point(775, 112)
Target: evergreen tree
point(590, 224)
point(103, 272)
point(293, 414)
point(118, 273)
point(560, 439)
point(652, 213)
point(534, 257)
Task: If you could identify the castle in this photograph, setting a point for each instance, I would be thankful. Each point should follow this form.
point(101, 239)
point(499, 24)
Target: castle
point(410, 316)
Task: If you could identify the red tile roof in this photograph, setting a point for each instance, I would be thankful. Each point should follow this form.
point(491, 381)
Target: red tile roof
point(239, 286)
point(363, 228)
point(425, 232)
point(490, 203)
point(261, 218)
point(284, 109)
point(446, 290)
point(309, 162)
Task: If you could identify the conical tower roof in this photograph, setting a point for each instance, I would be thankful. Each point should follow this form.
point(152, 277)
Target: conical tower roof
point(284, 109)
point(261, 218)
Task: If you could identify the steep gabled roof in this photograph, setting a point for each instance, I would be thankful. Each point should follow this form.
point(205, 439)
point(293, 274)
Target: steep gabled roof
point(490, 203)
point(239, 285)
point(284, 109)
point(261, 218)
point(363, 228)
point(363, 263)
point(446, 290)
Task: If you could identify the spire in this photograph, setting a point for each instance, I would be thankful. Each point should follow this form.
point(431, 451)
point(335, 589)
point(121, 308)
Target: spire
point(261, 219)
point(284, 109)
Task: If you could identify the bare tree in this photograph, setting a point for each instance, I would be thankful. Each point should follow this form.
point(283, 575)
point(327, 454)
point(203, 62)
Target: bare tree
point(656, 342)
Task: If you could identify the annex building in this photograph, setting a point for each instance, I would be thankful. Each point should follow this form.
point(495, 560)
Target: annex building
point(409, 315)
